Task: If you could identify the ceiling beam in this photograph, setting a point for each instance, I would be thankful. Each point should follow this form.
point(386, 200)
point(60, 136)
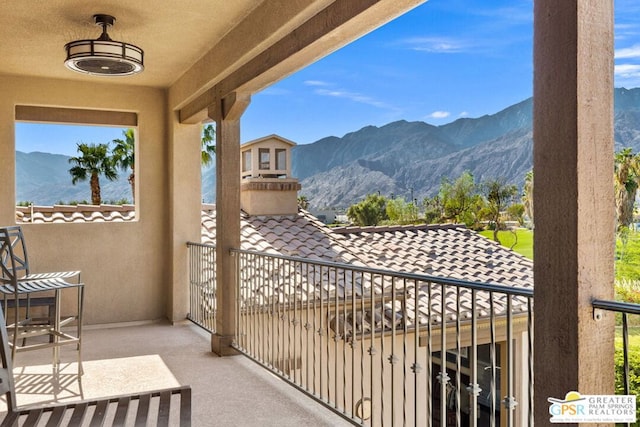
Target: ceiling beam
point(268, 22)
point(335, 26)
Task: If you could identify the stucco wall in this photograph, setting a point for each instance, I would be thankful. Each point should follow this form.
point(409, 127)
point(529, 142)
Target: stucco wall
point(125, 266)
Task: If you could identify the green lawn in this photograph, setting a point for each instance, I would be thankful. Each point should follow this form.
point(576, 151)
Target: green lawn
point(634, 337)
point(628, 257)
point(524, 245)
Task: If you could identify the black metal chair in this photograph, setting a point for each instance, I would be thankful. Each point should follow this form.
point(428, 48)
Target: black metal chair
point(23, 289)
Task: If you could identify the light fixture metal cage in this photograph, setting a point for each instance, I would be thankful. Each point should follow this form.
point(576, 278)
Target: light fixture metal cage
point(103, 56)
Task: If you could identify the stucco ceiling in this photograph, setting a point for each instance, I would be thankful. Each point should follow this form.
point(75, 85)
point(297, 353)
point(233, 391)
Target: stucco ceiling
point(173, 33)
point(190, 46)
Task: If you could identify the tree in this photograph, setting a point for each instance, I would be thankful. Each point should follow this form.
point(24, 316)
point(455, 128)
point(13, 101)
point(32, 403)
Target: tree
point(303, 202)
point(208, 142)
point(433, 210)
point(400, 212)
point(626, 177)
point(498, 195)
point(460, 199)
point(527, 196)
point(516, 212)
point(93, 162)
point(123, 155)
point(370, 211)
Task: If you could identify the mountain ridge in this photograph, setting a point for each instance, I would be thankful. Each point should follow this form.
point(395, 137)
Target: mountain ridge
point(401, 158)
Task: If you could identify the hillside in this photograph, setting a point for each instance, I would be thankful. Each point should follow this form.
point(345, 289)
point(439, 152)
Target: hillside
point(403, 158)
point(43, 178)
point(399, 158)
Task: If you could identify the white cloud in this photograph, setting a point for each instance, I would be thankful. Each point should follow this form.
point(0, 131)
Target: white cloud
point(464, 114)
point(628, 52)
point(316, 83)
point(436, 44)
point(439, 115)
point(355, 97)
point(626, 71)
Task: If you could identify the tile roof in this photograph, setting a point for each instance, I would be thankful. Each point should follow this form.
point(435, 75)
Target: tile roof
point(75, 213)
point(444, 251)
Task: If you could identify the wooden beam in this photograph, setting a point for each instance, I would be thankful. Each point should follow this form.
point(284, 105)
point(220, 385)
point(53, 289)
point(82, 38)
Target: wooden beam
point(573, 198)
point(302, 42)
point(29, 113)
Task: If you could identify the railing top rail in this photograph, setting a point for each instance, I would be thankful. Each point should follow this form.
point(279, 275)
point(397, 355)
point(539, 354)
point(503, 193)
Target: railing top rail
point(618, 306)
point(204, 245)
point(479, 286)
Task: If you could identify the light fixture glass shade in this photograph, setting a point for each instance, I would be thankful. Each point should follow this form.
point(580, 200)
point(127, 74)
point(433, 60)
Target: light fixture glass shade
point(104, 57)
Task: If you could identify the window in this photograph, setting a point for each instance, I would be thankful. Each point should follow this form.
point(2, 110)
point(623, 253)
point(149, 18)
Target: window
point(264, 158)
point(54, 163)
point(246, 161)
point(281, 159)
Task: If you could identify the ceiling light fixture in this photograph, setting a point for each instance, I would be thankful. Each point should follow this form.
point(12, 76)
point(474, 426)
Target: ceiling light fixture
point(103, 56)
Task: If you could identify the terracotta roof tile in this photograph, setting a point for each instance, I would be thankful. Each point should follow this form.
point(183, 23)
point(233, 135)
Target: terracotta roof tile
point(447, 251)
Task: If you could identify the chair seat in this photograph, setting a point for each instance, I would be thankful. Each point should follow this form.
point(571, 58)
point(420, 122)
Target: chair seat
point(52, 275)
point(33, 284)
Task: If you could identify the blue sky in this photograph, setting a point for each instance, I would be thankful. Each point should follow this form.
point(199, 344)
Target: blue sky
point(444, 60)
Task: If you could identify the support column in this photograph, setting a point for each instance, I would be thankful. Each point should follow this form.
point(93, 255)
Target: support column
point(573, 197)
point(227, 112)
point(186, 205)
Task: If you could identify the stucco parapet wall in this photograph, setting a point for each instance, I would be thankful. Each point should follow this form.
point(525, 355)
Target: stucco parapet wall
point(270, 184)
point(75, 213)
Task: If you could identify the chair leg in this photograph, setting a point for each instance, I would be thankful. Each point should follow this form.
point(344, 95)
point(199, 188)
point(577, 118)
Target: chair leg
point(16, 319)
point(79, 327)
point(56, 330)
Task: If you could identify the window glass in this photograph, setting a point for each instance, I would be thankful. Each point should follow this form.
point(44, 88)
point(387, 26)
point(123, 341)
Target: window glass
point(281, 159)
point(246, 161)
point(264, 158)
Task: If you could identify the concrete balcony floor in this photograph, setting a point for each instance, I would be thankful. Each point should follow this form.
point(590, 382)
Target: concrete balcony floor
point(230, 391)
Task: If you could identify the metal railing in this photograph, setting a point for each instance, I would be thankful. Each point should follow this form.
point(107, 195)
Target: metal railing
point(624, 309)
point(385, 348)
point(202, 285)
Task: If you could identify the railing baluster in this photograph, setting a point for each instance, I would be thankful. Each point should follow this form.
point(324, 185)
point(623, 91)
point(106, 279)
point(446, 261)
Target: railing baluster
point(530, 357)
point(474, 387)
point(429, 356)
point(278, 296)
point(509, 400)
point(458, 360)
point(492, 393)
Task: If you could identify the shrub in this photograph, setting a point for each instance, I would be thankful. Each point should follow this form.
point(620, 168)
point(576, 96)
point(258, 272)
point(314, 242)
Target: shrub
point(628, 290)
point(634, 374)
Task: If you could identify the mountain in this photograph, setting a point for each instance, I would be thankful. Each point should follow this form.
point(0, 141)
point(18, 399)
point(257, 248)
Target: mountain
point(44, 179)
point(402, 158)
point(411, 158)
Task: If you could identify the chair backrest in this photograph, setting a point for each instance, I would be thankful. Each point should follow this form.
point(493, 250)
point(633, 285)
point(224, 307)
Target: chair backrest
point(7, 385)
point(14, 262)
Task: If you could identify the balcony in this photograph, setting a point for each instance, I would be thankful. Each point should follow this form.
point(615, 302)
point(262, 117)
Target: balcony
point(350, 336)
point(125, 359)
point(355, 345)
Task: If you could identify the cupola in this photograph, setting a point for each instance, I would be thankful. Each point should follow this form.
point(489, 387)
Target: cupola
point(267, 187)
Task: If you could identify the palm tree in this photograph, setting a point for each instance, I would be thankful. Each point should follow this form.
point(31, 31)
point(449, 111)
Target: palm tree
point(124, 157)
point(93, 162)
point(208, 144)
point(626, 177)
